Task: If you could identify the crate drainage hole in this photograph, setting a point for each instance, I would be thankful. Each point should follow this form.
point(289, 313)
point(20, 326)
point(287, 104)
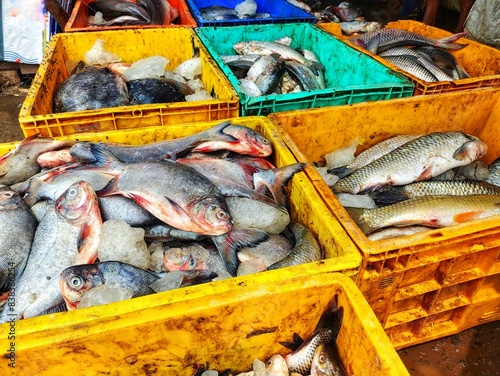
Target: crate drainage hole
point(436, 235)
point(137, 113)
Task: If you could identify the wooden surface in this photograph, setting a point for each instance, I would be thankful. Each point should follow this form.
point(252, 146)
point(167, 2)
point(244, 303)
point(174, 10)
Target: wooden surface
point(58, 12)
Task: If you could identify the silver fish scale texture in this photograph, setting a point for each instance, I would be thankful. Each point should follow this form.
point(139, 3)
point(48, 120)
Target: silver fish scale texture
point(404, 164)
point(452, 187)
point(407, 64)
point(301, 360)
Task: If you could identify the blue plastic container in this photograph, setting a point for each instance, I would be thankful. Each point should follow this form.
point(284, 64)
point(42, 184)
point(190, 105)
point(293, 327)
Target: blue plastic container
point(351, 76)
point(280, 11)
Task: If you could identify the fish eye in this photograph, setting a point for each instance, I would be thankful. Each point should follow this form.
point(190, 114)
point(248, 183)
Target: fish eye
point(72, 192)
point(322, 358)
point(222, 215)
point(75, 281)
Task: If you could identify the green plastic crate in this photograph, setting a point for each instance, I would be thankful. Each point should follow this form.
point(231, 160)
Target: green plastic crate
point(350, 75)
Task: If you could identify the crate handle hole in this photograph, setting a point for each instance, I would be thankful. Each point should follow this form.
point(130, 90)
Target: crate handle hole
point(436, 235)
point(137, 113)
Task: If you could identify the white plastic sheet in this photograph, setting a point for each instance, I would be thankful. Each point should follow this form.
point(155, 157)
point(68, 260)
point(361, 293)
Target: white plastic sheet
point(23, 25)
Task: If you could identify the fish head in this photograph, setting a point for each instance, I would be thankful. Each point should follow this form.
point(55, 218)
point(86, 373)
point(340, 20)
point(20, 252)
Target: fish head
point(276, 366)
point(471, 150)
point(77, 201)
point(249, 142)
point(179, 258)
point(325, 363)
point(212, 215)
point(76, 280)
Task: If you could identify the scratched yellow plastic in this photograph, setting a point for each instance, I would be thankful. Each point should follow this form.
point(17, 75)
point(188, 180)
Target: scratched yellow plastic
point(422, 286)
point(481, 61)
point(176, 44)
point(228, 328)
point(140, 328)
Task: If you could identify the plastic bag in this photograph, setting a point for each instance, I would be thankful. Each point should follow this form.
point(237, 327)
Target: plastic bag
point(483, 22)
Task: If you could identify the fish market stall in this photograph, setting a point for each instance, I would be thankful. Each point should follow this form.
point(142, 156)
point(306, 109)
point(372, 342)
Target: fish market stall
point(421, 285)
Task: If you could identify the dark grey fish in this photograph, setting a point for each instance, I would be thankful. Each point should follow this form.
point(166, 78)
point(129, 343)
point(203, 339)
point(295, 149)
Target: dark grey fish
point(153, 90)
point(118, 207)
point(345, 11)
point(92, 89)
point(17, 230)
point(381, 40)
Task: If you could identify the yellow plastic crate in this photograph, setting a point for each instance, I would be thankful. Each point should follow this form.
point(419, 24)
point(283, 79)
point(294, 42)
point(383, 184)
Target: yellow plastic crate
point(228, 328)
point(176, 44)
point(482, 62)
point(439, 276)
point(135, 335)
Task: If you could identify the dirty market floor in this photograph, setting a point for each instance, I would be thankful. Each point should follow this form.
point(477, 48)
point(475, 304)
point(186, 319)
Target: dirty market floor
point(472, 352)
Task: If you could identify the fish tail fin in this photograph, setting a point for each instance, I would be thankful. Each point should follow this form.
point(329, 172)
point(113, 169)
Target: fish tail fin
point(388, 196)
point(275, 179)
point(357, 216)
point(332, 317)
point(461, 72)
point(103, 157)
point(108, 189)
point(229, 244)
point(196, 277)
point(217, 132)
point(296, 342)
point(449, 42)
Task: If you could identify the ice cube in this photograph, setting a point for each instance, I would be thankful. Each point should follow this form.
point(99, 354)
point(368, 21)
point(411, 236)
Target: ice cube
point(98, 55)
point(121, 242)
point(330, 179)
point(149, 67)
point(195, 84)
point(210, 373)
point(172, 280)
point(199, 95)
point(356, 201)
point(246, 8)
point(189, 68)
point(343, 156)
point(173, 76)
point(103, 295)
point(156, 256)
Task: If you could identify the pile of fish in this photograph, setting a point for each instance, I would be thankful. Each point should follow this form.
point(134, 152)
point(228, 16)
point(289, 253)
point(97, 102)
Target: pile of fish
point(315, 356)
point(265, 68)
point(133, 220)
point(412, 183)
point(349, 17)
point(245, 9)
point(423, 57)
point(106, 82)
point(127, 12)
